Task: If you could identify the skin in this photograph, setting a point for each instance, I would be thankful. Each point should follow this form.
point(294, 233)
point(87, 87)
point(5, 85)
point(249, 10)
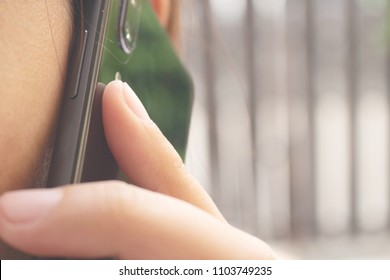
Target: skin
point(30, 89)
point(31, 84)
point(167, 215)
point(162, 8)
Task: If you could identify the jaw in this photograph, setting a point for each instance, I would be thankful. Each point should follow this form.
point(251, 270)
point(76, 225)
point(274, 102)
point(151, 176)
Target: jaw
point(33, 54)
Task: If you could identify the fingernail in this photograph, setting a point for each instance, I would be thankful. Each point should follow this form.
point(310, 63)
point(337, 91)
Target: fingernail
point(134, 103)
point(118, 76)
point(29, 205)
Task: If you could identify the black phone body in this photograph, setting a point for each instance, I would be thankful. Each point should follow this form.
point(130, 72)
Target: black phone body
point(100, 51)
point(72, 131)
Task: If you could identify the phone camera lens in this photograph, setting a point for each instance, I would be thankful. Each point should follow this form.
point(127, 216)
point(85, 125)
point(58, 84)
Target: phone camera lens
point(130, 13)
point(127, 33)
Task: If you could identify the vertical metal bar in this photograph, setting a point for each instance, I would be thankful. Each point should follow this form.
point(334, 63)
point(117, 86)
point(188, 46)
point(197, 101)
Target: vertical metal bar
point(387, 37)
point(352, 12)
point(294, 187)
point(299, 147)
point(250, 33)
point(211, 102)
point(312, 67)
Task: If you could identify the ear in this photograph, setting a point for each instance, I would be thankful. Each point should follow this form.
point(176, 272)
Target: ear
point(162, 9)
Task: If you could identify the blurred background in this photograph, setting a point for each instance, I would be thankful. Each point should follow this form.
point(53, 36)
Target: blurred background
point(291, 121)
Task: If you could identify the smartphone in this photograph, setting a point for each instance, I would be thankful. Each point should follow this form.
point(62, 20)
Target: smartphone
point(106, 33)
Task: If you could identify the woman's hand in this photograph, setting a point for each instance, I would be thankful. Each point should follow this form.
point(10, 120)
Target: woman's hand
point(169, 217)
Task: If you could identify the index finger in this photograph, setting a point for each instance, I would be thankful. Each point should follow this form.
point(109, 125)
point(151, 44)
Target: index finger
point(142, 151)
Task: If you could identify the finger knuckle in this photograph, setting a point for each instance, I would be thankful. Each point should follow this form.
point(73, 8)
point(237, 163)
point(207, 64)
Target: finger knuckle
point(176, 162)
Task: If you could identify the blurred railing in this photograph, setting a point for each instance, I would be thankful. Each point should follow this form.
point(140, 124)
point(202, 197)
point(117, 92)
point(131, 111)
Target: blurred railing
point(291, 118)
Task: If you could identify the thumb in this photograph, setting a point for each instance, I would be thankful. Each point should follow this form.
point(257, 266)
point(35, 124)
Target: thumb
point(142, 151)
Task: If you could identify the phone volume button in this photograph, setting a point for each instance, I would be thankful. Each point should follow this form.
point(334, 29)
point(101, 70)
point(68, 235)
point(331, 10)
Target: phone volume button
point(80, 61)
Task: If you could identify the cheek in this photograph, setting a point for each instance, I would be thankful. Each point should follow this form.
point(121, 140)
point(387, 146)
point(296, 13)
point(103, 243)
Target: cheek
point(162, 8)
point(31, 86)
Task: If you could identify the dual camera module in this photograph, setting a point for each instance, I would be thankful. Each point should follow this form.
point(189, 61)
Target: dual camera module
point(128, 23)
